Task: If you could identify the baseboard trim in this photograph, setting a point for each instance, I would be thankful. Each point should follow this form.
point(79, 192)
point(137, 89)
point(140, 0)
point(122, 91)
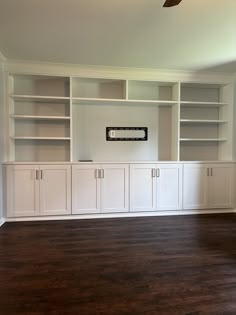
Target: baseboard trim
point(119, 215)
point(2, 221)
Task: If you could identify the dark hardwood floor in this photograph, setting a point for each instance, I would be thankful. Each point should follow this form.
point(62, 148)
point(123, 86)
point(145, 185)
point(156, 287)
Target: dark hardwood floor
point(156, 265)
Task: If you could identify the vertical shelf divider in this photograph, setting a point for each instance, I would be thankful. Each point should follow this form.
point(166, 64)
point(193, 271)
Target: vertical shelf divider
point(126, 89)
point(175, 131)
point(71, 122)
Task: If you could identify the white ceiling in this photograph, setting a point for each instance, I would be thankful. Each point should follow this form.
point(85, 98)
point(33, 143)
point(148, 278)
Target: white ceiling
point(196, 35)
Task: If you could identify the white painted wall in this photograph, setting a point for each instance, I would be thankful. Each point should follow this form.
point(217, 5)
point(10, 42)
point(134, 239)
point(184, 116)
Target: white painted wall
point(1, 138)
point(89, 132)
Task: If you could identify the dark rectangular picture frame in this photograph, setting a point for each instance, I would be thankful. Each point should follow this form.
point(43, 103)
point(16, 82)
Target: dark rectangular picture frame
point(145, 138)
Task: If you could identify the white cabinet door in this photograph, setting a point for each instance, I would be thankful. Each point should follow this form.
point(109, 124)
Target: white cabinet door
point(85, 189)
point(22, 190)
point(195, 186)
point(114, 188)
point(55, 189)
point(169, 186)
point(143, 187)
point(220, 186)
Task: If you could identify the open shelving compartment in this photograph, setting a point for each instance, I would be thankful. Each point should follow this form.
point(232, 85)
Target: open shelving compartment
point(162, 92)
point(97, 88)
point(205, 122)
point(40, 150)
point(100, 103)
point(39, 118)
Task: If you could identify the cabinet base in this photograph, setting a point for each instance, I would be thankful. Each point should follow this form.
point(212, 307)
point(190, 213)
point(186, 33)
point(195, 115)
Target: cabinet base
point(119, 215)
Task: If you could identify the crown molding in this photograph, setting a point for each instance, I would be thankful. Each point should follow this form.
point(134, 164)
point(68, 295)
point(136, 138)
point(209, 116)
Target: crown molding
point(60, 69)
point(3, 59)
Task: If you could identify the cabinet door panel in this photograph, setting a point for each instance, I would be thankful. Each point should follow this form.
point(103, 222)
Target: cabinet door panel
point(143, 187)
point(221, 186)
point(114, 188)
point(195, 186)
point(23, 191)
point(169, 187)
point(55, 190)
point(85, 189)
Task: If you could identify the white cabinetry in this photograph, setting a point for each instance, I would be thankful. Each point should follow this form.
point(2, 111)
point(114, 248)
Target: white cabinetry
point(51, 119)
point(143, 187)
point(85, 189)
point(169, 186)
point(114, 188)
point(220, 191)
point(55, 189)
point(155, 187)
point(22, 190)
point(100, 188)
point(38, 190)
point(195, 186)
point(208, 186)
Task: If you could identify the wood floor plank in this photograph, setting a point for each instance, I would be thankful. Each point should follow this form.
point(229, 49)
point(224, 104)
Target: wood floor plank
point(184, 265)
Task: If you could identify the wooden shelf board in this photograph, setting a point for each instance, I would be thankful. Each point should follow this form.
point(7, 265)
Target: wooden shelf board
point(203, 121)
point(40, 138)
point(99, 101)
point(32, 117)
point(204, 104)
point(40, 98)
point(202, 139)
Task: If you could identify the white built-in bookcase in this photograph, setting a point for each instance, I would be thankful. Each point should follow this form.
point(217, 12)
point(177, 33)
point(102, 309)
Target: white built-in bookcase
point(39, 118)
point(54, 118)
point(206, 114)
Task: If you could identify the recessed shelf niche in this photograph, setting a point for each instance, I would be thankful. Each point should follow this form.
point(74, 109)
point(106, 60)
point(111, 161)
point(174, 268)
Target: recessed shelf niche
point(98, 88)
point(152, 90)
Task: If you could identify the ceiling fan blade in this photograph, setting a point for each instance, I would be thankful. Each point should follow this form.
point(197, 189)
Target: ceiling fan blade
point(171, 3)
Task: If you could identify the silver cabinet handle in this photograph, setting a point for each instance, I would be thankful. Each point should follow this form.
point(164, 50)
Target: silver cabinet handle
point(211, 171)
point(157, 172)
point(97, 173)
point(208, 171)
point(37, 174)
point(102, 173)
point(153, 172)
point(41, 174)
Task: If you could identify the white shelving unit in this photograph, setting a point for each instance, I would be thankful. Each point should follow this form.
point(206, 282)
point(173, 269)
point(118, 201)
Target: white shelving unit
point(39, 118)
point(65, 118)
point(99, 103)
point(205, 122)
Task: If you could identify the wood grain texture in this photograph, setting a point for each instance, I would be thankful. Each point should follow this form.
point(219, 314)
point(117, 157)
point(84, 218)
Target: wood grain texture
point(184, 265)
